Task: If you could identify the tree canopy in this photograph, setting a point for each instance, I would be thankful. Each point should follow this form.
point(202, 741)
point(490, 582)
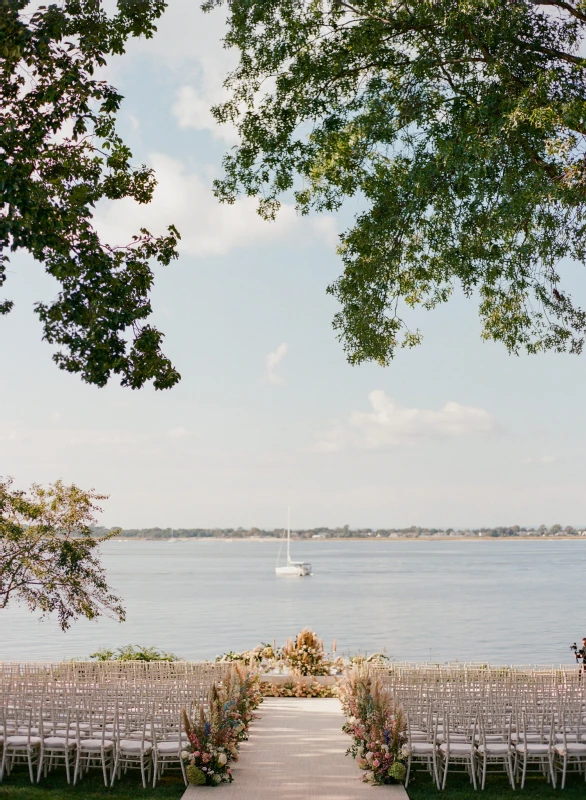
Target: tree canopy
point(59, 156)
point(458, 126)
point(48, 558)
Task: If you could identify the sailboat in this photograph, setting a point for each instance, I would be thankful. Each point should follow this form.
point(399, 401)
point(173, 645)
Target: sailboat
point(298, 568)
point(172, 540)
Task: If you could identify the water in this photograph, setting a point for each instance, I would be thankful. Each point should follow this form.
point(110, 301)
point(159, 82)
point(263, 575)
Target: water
point(495, 601)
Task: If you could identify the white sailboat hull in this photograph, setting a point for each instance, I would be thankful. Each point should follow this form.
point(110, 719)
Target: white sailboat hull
point(295, 568)
point(300, 570)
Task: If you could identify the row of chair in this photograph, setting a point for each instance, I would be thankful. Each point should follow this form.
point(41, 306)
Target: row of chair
point(481, 719)
point(78, 716)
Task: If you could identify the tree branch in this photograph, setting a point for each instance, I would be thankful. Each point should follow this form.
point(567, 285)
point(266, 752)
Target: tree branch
point(561, 4)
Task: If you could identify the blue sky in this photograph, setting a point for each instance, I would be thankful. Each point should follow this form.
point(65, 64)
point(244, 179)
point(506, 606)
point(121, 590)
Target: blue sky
point(455, 433)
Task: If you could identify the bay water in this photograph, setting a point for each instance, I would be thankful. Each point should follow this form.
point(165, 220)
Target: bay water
point(500, 602)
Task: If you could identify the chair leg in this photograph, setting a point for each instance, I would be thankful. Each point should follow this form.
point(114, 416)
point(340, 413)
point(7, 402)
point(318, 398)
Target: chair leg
point(473, 772)
point(76, 766)
point(510, 772)
point(115, 767)
point(104, 769)
point(445, 778)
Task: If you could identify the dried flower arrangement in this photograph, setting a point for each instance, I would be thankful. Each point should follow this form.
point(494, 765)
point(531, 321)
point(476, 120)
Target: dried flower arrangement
point(215, 731)
point(376, 724)
point(298, 689)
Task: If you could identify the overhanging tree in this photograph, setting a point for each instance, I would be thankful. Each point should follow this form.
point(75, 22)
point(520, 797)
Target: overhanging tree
point(49, 555)
point(460, 128)
point(59, 156)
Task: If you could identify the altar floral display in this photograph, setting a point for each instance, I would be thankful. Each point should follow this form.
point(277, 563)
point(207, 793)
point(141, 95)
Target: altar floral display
point(215, 730)
point(376, 724)
point(298, 689)
point(303, 655)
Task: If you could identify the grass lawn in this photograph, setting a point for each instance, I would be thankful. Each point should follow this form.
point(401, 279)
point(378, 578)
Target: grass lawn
point(421, 787)
point(91, 787)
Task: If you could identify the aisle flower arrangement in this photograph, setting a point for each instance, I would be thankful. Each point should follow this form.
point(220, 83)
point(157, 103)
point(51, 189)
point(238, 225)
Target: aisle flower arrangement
point(298, 689)
point(242, 694)
point(215, 731)
point(376, 725)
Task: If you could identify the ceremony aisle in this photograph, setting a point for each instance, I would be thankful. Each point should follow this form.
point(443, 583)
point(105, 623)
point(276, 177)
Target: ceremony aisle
point(296, 752)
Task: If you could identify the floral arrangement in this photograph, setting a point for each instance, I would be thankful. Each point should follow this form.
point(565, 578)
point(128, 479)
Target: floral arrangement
point(215, 732)
point(305, 655)
point(242, 694)
point(376, 725)
point(262, 655)
point(298, 689)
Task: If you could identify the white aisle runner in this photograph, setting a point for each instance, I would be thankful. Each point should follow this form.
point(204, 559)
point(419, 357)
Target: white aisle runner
point(296, 752)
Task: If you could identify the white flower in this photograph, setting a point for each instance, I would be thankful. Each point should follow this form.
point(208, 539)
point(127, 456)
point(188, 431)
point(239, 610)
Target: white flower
point(369, 776)
point(222, 759)
point(405, 751)
point(370, 757)
point(185, 754)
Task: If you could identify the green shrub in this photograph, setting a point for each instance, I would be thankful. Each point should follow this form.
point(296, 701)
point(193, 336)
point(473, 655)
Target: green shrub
point(132, 652)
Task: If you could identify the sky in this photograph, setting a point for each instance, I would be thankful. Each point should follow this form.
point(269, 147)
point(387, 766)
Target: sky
point(269, 414)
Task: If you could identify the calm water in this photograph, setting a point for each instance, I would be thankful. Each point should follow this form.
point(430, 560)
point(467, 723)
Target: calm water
point(503, 602)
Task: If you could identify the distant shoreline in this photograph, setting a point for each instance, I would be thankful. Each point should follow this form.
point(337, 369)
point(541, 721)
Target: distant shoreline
point(355, 539)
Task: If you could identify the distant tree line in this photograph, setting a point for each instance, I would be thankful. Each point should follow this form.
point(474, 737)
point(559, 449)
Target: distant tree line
point(345, 532)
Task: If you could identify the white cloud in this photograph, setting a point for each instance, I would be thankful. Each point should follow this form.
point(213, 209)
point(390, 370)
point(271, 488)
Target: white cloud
point(180, 433)
point(134, 121)
point(192, 110)
point(189, 44)
point(389, 424)
point(63, 438)
point(539, 460)
point(326, 227)
point(59, 437)
point(272, 361)
point(207, 227)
